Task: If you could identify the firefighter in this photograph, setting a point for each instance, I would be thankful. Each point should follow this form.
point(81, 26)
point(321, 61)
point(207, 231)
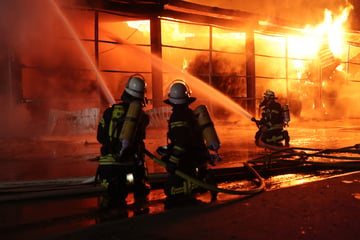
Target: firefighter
point(186, 149)
point(121, 132)
point(273, 120)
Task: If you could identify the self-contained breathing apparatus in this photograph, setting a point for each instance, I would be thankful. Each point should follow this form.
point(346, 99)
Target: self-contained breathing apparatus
point(208, 130)
point(129, 126)
point(286, 114)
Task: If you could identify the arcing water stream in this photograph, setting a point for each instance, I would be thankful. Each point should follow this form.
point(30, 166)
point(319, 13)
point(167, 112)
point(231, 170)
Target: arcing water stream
point(71, 30)
point(195, 83)
point(203, 88)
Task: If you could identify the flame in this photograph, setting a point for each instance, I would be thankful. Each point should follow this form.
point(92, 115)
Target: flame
point(172, 29)
point(325, 42)
point(330, 31)
point(230, 35)
point(141, 25)
point(304, 45)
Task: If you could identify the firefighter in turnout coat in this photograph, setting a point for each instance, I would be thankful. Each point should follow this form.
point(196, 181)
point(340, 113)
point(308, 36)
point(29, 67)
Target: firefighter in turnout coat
point(186, 149)
point(121, 132)
point(273, 119)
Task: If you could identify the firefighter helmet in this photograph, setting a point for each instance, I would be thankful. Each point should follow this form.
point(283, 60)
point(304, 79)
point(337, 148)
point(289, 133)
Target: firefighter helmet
point(269, 94)
point(136, 86)
point(179, 93)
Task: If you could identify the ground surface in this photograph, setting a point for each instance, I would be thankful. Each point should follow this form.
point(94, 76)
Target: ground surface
point(309, 209)
point(327, 209)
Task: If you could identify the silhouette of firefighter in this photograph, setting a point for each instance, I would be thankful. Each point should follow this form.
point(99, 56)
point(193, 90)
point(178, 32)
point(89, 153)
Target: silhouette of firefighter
point(274, 118)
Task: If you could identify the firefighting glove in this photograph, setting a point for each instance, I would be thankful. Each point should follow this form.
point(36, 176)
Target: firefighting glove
point(214, 145)
point(257, 122)
point(124, 146)
point(214, 158)
point(162, 151)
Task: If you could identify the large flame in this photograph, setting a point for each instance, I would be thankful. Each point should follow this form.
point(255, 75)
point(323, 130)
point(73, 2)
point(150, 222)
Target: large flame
point(306, 44)
point(325, 44)
point(330, 31)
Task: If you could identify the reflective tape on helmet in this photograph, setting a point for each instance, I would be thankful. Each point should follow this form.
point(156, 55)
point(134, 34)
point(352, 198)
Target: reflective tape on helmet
point(179, 124)
point(179, 92)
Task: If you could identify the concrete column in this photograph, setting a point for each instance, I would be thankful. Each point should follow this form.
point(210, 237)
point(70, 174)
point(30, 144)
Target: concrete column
point(250, 72)
point(156, 69)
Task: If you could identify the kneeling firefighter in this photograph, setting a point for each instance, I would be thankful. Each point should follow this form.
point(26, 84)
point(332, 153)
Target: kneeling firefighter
point(121, 132)
point(274, 118)
point(190, 136)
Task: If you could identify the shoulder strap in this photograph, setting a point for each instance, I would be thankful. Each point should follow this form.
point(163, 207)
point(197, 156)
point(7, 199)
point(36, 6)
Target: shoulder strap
point(116, 121)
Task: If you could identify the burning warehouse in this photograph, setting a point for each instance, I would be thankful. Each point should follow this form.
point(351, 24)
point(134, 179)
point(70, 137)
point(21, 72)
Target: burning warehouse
point(65, 60)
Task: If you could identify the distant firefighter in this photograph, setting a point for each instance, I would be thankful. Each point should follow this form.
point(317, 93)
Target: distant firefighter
point(191, 134)
point(121, 132)
point(274, 118)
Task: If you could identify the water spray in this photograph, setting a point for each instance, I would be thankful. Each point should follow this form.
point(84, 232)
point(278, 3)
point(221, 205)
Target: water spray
point(225, 101)
point(100, 80)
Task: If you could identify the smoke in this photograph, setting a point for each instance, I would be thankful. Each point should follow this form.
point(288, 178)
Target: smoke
point(50, 71)
point(296, 11)
point(225, 77)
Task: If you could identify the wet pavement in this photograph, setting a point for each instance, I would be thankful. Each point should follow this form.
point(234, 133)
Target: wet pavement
point(327, 209)
point(54, 158)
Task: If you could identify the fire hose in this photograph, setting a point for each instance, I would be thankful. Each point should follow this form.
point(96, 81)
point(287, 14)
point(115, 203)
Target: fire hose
point(284, 155)
point(214, 188)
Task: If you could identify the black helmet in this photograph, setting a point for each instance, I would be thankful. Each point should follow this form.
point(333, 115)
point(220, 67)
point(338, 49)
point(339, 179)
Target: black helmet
point(179, 93)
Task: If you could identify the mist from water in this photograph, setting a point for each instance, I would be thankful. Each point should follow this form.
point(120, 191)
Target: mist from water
point(101, 82)
point(32, 29)
point(53, 71)
point(199, 87)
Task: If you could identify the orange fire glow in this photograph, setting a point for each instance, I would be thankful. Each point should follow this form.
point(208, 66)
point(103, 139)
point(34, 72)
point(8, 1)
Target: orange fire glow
point(330, 30)
point(304, 45)
point(309, 41)
point(171, 28)
point(141, 25)
point(305, 51)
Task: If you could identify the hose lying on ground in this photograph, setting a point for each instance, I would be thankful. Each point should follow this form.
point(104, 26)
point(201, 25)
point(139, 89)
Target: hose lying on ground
point(82, 185)
point(292, 154)
point(213, 188)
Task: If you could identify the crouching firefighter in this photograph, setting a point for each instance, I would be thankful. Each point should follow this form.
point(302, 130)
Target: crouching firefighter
point(274, 118)
point(187, 150)
point(121, 132)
